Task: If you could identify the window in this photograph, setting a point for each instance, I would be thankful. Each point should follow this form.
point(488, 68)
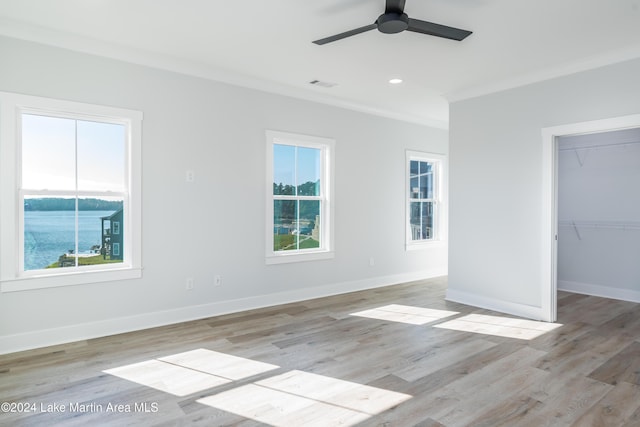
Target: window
point(72, 193)
point(424, 223)
point(299, 189)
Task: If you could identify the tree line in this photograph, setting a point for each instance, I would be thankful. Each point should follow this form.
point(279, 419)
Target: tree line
point(307, 189)
point(61, 204)
point(286, 211)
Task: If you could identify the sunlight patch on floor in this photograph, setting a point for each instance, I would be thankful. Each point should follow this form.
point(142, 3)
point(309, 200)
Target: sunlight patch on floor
point(190, 372)
point(499, 326)
point(405, 314)
point(301, 398)
point(166, 377)
point(219, 364)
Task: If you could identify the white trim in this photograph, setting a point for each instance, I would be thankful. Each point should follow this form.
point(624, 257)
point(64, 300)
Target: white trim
point(513, 308)
point(425, 244)
point(66, 334)
point(87, 111)
point(599, 290)
point(286, 257)
point(549, 200)
point(327, 147)
point(92, 46)
point(69, 279)
point(549, 241)
point(601, 60)
point(12, 276)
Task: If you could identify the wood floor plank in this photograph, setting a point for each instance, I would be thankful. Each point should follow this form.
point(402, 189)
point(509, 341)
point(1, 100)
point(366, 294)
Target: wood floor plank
point(562, 335)
point(624, 366)
point(564, 400)
point(449, 374)
point(474, 393)
point(634, 420)
point(581, 355)
point(272, 331)
point(507, 413)
point(567, 298)
point(626, 324)
point(435, 358)
point(614, 409)
point(594, 310)
point(315, 363)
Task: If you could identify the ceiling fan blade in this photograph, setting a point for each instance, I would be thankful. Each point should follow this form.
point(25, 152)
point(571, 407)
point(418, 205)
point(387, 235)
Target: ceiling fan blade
point(424, 27)
point(394, 6)
point(346, 34)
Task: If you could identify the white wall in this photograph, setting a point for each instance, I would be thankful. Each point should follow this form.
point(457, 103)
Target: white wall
point(215, 225)
point(599, 214)
point(495, 216)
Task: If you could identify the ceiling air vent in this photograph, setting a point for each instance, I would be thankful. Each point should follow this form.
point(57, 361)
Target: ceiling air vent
point(323, 84)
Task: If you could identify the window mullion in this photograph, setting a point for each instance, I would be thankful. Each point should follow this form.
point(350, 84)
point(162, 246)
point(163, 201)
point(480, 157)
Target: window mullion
point(76, 226)
point(295, 186)
point(75, 163)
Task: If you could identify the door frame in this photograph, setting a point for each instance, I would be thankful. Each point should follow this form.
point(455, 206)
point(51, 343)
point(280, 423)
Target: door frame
point(550, 135)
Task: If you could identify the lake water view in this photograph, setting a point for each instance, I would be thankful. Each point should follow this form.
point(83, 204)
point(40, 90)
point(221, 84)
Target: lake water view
point(49, 234)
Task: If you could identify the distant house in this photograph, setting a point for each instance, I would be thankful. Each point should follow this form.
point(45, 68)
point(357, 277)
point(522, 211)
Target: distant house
point(112, 233)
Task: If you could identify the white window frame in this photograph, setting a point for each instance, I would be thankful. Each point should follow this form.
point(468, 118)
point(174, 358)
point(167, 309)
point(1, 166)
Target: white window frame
point(327, 148)
point(439, 162)
point(13, 277)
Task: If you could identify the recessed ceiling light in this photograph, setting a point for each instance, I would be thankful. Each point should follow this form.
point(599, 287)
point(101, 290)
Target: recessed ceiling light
point(395, 81)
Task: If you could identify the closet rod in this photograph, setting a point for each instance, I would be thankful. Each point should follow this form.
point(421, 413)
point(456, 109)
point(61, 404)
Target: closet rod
point(615, 144)
point(603, 225)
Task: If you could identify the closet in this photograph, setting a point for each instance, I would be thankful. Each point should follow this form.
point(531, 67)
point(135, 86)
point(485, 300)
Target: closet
point(599, 214)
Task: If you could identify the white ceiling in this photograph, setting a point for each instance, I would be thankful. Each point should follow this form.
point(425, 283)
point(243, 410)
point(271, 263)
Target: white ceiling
point(266, 44)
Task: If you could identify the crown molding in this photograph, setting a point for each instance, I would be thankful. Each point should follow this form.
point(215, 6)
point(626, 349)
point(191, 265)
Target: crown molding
point(597, 61)
point(74, 42)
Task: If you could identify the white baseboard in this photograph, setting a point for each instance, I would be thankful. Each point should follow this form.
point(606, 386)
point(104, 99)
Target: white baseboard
point(507, 307)
point(599, 290)
point(83, 331)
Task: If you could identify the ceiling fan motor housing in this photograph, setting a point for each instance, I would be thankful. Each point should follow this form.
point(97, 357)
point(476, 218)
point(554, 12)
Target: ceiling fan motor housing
point(391, 23)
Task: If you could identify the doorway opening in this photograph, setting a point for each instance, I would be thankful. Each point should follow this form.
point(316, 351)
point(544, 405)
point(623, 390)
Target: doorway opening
point(552, 139)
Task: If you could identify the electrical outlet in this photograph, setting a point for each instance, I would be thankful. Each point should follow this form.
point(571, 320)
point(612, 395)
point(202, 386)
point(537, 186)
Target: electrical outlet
point(189, 284)
point(190, 176)
point(372, 262)
point(217, 280)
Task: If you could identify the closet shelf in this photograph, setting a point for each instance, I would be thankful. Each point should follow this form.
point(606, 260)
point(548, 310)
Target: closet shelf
point(582, 151)
point(599, 225)
point(596, 146)
point(618, 225)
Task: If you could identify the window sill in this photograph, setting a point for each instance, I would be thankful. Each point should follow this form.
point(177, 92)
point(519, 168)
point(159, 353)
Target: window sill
point(429, 244)
point(285, 258)
point(69, 279)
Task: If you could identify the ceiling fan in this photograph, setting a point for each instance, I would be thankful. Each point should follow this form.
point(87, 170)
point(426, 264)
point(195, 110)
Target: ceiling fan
point(394, 20)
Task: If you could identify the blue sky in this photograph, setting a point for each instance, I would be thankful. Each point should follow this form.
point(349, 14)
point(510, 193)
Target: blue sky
point(289, 159)
point(49, 146)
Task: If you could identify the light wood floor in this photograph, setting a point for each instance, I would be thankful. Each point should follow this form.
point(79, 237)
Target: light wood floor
point(408, 358)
